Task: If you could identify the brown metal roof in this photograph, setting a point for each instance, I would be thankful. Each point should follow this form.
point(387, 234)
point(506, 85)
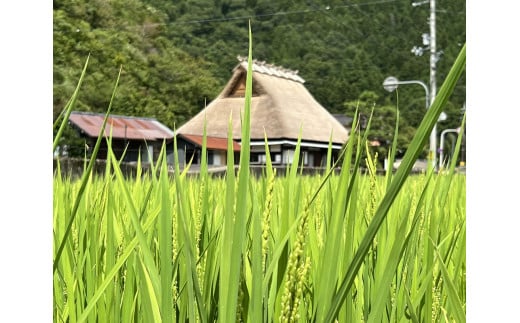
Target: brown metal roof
point(122, 127)
point(211, 142)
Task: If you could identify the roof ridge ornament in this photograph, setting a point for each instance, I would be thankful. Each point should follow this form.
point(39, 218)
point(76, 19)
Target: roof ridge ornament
point(272, 69)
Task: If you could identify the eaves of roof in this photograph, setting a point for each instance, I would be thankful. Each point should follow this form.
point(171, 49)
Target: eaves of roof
point(212, 143)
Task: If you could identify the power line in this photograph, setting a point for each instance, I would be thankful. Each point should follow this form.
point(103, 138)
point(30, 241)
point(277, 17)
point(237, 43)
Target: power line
point(280, 13)
point(326, 11)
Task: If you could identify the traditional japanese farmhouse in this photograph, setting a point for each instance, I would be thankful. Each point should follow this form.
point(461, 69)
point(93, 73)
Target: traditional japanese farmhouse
point(281, 107)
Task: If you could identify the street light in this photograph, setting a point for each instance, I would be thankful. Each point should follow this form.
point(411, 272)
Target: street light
point(441, 148)
point(390, 84)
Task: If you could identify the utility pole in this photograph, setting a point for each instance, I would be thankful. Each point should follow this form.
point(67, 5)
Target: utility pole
point(429, 40)
point(433, 82)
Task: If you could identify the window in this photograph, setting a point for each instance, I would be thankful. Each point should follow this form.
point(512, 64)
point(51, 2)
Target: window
point(288, 156)
point(257, 159)
point(210, 157)
point(277, 159)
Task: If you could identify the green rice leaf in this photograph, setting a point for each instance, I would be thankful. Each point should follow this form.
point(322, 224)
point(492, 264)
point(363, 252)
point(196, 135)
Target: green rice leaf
point(165, 242)
point(85, 177)
point(452, 295)
point(125, 254)
point(241, 215)
point(146, 254)
point(409, 159)
point(393, 149)
point(227, 231)
point(68, 108)
point(383, 282)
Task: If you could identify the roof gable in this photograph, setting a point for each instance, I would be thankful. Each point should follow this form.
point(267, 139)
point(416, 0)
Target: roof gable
point(237, 88)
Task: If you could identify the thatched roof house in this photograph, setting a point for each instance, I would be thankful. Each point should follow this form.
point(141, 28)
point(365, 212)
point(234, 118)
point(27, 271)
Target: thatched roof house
point(279, 107)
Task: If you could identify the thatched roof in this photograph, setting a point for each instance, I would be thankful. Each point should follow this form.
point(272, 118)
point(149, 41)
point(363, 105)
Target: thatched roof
point(280, 105)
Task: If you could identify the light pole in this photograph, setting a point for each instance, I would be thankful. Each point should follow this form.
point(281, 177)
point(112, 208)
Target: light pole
point(390, 84)
point(441, 148)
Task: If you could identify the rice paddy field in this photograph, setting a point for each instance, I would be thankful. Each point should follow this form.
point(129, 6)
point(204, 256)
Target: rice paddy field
point(337, 247)
point(145, 250)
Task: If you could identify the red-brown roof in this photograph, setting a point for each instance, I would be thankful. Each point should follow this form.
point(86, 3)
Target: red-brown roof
point(211, 142)
point(122, 127)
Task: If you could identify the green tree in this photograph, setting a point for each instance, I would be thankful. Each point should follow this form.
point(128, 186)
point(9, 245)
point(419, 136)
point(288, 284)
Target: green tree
point(158, 79)
point(382, 125)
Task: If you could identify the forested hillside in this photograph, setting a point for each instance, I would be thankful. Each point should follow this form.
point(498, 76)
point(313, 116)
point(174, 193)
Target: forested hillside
point(177, 55)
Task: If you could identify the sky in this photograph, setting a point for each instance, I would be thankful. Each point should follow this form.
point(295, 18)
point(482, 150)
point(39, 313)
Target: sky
point(492, 159)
